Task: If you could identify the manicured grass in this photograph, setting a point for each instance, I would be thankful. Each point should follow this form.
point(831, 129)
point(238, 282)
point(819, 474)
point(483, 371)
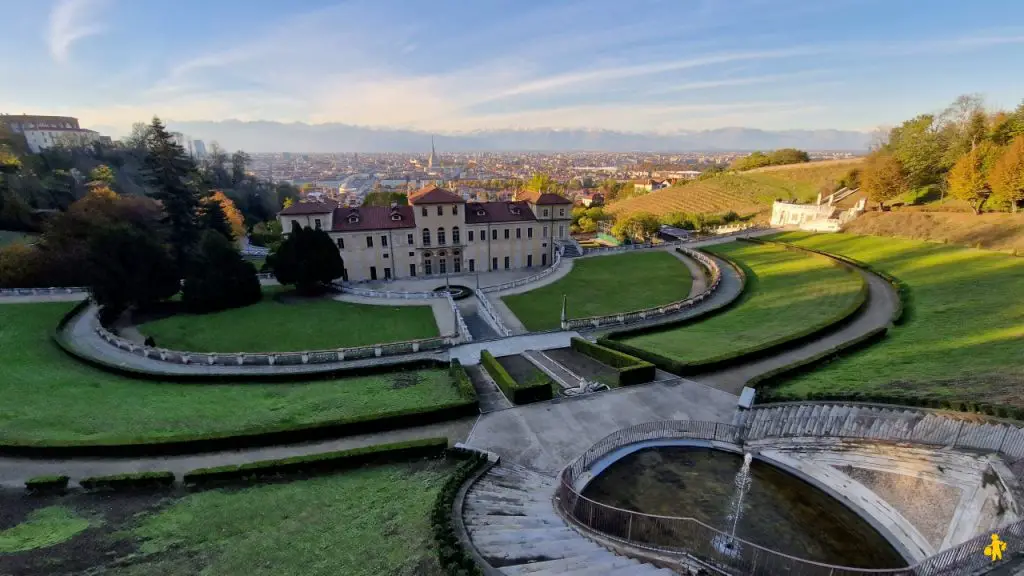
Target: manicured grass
point(294, 324)
point(48, 397)
point(605, 285)
point(368, 522)
point(964, 336)
point(787, 291)
point(43, 527)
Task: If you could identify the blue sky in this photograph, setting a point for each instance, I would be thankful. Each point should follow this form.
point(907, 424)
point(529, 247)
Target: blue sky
point(446, 66)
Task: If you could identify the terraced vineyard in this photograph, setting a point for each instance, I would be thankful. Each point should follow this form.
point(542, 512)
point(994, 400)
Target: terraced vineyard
point(743, 193)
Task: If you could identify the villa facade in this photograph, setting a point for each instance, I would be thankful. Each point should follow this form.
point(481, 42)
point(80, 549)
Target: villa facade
point(438, 234)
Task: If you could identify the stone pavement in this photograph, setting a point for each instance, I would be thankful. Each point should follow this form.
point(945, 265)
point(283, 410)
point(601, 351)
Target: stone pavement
point(469, 353)
point(14, 471)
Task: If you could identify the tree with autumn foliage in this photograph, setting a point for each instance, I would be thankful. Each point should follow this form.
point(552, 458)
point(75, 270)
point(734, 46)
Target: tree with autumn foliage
point(1007, 175)
point(231, 212)
point(883, 177)
point(969, 178)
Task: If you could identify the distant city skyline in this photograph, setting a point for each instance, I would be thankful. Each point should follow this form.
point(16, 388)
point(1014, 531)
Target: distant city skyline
point(650, 66)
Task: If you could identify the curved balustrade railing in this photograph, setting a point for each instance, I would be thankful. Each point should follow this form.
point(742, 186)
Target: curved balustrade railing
point(529, 279)
point(388, 294)
point(460, 322)
point(50, 291)
point(655, 311)
point(491, 315)
point(696, 540)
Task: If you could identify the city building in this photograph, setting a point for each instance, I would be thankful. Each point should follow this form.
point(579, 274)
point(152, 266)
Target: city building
point(43, 132)
point(439, 233)
point(199, 149)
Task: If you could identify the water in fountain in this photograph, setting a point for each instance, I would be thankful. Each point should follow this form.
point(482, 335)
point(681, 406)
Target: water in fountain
point(727, 544)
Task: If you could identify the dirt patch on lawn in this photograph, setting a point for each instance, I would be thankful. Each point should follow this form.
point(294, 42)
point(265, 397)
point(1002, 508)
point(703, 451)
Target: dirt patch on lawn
point(988, 231)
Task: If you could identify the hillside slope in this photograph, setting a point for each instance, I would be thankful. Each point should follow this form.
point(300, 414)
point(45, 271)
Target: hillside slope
point(990, 231)
point(741, 192)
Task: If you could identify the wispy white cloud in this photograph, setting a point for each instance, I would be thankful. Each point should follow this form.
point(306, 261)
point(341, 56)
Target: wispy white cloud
point(71, 21)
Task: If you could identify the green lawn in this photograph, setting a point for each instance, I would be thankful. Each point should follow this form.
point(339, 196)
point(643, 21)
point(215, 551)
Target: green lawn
point(963, 339)
point(605, 285)
point(274, 326)
point(787, 291)
point(9, 237)
point(50, 398)
point(43, 528)
point(369, 521)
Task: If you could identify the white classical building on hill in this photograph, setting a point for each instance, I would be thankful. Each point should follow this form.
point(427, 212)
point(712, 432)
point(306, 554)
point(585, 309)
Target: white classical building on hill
point(827, 214)
point(438, 233)
point(43, 132)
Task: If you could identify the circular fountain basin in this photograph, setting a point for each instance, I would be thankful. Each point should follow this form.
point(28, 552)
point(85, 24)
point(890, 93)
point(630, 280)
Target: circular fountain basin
point(779, 510)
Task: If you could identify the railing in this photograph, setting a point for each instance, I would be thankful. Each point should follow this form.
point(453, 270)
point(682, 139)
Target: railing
point(491, 315)
point(630, 247)
point(50, 291)
point(655, 311)
point(388, 294)
point(460, 322)
point(529, 279)
point(692, 539)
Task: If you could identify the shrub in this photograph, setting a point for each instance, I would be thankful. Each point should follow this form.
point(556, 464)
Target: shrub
point(46, 484)
point(461, 381)
point(450, 553)
point(318, 463)
point(631, 370)
point(518, 394)
point(219, 278)
point(307, 258)
point(131, 481)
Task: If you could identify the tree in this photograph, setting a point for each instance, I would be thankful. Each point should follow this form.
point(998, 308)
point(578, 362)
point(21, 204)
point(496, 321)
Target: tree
point(288, 202)
point(239, 161)
point(1007, 176)
point(219, 278)
point(1007, 126)
point(233, 217)
point(755, 159)
point(641, 226)
point(788, 156)
point(102, 177)
point(129, 267)
point(541, 183)
point(139, 138)
point(213, 218)
point(306, 259)
point(882, 177)
point(171, 173)
point(266, 234)
point(969, 177)
point(919, 149)
point(386, 199)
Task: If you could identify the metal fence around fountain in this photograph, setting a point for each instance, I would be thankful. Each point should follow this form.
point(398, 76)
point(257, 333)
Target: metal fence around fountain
point(698, 541)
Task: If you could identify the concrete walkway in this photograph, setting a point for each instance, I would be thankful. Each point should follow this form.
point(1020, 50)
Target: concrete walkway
point(700, 278)
point(14, 471)
point(469, 354)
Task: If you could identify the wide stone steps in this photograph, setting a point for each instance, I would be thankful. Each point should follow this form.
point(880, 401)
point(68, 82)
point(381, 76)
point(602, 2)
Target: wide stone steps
point(512, 522)
point(875, 422)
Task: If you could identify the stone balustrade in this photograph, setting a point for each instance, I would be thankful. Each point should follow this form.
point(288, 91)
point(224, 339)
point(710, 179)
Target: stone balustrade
point(623, 318)
point(490, 315)
point(460, 322)
point(387, 294)
point(529, 279)
point(50, 291)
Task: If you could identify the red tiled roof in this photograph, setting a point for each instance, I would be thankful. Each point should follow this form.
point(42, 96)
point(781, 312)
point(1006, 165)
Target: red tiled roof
point(543, 199)
point(497, 212)
point(373, 218)
point(301, 208)
point(434, 195)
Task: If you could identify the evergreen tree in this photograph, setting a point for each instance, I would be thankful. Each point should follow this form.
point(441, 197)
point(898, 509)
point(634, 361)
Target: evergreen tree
point(307, 259)
point(219, 277)
point(172, 175)
point(212, 217)
point(129, 267)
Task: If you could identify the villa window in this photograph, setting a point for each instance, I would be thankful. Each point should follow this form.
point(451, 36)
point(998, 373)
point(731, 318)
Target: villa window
point(384, 241)
point(545, 231)
point(440, 210)
point(506, 262)
point(457, 263)
point(529, 260)
point(494, 234)
point(427, 268)
point(545, 212)
point(412, 269)
point(506, 233)
point(470, 235)
point(316, 223)
point(455, 210)
point(561, 211)
point(494, 263)
point(472, 265)
point(440, 236)
point(442, 266)
point(519, 233)
point(426, 236)
point(455, 234)
point(409, 239)
point(423, 211)
point(341, 243)
point(369, 241)
point(529, 232)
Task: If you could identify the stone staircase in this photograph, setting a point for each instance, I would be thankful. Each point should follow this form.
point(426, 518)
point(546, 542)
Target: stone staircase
point(880, 423)
point(571, 250)
point(512, 522)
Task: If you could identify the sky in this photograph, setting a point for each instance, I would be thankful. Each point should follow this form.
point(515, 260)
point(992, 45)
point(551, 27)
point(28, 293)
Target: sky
point(458, 66)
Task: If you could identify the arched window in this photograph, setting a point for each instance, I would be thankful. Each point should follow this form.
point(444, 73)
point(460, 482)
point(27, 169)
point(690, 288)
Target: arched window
point(455, 234)
point(426, 236)
point(440, 236)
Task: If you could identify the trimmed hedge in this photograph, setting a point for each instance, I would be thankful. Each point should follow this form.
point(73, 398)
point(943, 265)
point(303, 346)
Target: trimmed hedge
point(47, 484)
point(736, 357)
point(133, 481)
point(461, 381)
point(518, 394)
point(451, 554)
point(631, 370)
point(317, 463)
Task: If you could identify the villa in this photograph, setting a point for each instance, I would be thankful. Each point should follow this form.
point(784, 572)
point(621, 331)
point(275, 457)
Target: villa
point(438, 233)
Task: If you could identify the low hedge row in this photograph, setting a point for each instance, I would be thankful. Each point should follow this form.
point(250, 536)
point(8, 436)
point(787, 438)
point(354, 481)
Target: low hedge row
point(132, 481)
point(518, 394)
point(46, 484)
point(649, 328)
point(451, 554)
point(461, 381)
point(902, 312)
point(317, 463)
point(631, 370)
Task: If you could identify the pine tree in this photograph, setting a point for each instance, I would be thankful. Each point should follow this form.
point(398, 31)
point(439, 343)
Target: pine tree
point(307, 258)
point(219, 278)
point(172, 175)
point(212, 217)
